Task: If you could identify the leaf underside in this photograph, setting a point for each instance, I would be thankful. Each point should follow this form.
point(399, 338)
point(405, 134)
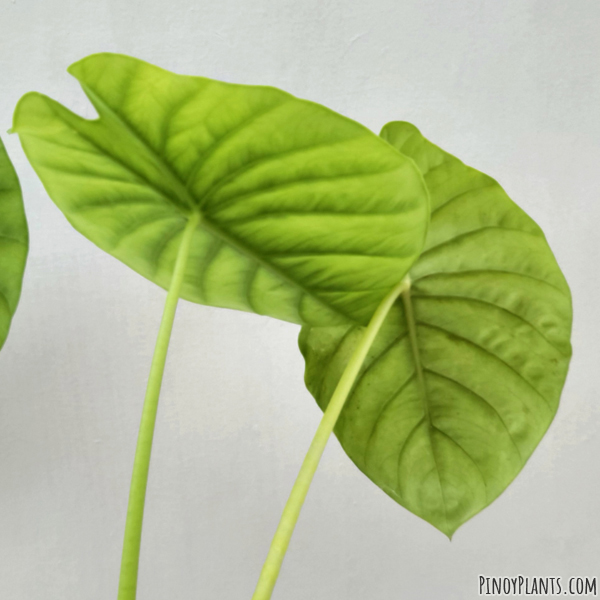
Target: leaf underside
point(14, 242)
point(306, 215)
point(444, 424)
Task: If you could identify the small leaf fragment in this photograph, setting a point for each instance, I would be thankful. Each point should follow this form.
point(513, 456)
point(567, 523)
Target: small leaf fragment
point(14, 242)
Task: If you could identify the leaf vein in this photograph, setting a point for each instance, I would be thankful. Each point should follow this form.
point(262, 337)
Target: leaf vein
point(449, 437)
point(230, 135)
point(490, 353)
point(382, 411)
point(489, 184)
point(403, 448)
point(489, 271)
point(492, 305)
point(486, 402)
point(468, 234)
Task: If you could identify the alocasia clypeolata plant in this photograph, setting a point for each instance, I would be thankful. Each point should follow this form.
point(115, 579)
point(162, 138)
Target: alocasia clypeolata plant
point(466, 374)
point(245, 197)
point(14, 242)
point(236, 196)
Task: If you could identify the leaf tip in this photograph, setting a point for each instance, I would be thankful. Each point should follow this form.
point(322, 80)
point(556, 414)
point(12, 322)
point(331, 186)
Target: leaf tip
point(449, 533)
point(396, 132)
point(448, 528)
point(79, 68)
point(17, 114)
point(93, 64)
point(73, 67)
point(76, 69)
point(25, 109)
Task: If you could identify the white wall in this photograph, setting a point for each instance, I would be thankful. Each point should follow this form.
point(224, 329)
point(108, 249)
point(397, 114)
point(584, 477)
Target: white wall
point(510, 86)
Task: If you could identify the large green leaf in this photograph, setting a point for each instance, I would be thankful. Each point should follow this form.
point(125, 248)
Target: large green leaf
point(444, 421)
point(14, 242)
point(306, 215)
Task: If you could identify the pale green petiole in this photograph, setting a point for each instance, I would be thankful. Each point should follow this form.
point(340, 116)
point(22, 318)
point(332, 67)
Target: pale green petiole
point(141, 464)
point(291, 512)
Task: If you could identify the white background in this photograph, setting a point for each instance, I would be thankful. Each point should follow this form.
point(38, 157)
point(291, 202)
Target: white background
point(510, 86)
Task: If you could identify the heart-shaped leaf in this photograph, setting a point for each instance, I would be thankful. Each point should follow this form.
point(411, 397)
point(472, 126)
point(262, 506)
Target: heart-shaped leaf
point(14, 242)
point(466, 375)
point(306, 215)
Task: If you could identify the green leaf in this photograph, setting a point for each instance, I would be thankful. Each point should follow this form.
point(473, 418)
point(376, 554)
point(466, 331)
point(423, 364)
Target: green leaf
point(466, 375)
point(306, 215)
point(14, 242)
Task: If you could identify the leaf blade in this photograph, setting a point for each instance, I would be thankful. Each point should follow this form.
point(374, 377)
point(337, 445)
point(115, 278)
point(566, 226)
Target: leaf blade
point(274, 178)
point(492, 316)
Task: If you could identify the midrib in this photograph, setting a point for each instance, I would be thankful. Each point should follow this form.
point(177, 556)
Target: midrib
point(414, 344)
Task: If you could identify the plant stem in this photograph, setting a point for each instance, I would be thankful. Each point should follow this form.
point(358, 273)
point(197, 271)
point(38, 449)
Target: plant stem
point(291, 512)
point(141, 464)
